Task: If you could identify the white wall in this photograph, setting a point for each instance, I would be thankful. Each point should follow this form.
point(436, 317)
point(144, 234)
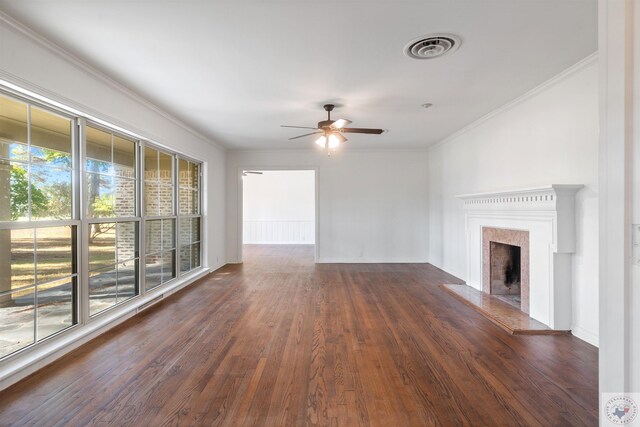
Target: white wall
point(279, 207)
point(371, 204)
point(549, 136)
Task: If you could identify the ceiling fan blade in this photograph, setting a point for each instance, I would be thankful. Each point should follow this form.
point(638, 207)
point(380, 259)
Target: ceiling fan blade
point(306, 134)
point(340, 137)
point(340, 123)
point(297, 127)
point(363, 130)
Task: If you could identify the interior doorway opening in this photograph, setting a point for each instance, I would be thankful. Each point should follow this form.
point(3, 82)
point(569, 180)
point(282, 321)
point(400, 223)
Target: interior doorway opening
point(278, 208)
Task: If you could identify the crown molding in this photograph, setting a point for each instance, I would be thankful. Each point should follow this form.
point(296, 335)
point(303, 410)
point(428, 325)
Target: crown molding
point(21, 28)
point(321, 151)
point(519, 100)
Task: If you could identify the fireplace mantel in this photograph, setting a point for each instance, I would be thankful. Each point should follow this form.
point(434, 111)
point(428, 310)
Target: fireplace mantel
point(545, 190)
point(548, 214)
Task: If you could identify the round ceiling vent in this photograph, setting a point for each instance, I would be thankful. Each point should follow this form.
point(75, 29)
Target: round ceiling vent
point(433, 46)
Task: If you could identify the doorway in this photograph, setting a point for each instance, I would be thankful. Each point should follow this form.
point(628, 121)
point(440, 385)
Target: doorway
point(278, 209)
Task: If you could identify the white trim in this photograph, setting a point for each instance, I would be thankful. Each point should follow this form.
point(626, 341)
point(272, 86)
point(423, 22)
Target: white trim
point(548, 214)
point(289, 242)
point(390, 260)
point(15, 368)
point(618, 28)
point(321, 151)
point(542, 190)
point(585, 335)
point(84, 66)
point(519, 100)
point(555, 201)
point(278, 232)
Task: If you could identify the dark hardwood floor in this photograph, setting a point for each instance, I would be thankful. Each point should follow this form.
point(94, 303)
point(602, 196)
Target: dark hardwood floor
point(280, 341)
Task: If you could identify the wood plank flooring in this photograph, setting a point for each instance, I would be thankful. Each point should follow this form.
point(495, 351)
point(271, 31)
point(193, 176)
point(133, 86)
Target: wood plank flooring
point(279, 341)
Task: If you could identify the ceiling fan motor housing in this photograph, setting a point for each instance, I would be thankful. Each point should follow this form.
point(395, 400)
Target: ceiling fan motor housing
point(324, 124)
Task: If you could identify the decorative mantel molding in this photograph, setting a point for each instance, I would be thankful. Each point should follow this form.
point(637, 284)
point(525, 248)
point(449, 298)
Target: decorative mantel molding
point(556, 200)
point(545, 197)
point(548, 214)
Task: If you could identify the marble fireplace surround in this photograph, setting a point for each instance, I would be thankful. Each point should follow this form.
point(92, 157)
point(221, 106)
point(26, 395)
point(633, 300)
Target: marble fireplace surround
point(547, 213)
point(518, 238)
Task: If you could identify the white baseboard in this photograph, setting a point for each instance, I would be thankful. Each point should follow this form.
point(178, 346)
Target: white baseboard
point(301, 242)
point(28, 361)
point(323, 260)
point(358, 261)
point(585, 335)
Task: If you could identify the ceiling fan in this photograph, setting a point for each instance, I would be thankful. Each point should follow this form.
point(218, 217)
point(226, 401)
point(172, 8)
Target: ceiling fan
point(331, 131)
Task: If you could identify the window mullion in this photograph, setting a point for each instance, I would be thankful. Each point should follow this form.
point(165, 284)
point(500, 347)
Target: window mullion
point(76, 179)
point(84, 228)
point(176, 207)
point(35, 280)
point(29, 162)
point(142, 257)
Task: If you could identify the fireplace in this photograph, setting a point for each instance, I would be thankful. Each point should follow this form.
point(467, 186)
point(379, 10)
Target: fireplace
point(505, 259)
point(541, 221)
point(504, 265)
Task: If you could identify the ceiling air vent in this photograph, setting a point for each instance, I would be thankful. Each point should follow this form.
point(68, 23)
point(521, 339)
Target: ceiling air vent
point(433, 46)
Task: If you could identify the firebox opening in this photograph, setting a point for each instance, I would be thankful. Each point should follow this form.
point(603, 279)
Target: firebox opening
point(505, 271)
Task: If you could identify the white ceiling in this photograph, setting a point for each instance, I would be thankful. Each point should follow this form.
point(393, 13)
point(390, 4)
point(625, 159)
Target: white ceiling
point(236, 70)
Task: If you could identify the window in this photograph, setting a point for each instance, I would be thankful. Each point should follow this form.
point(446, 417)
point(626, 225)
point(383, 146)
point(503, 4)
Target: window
point(160, 219)
point(79, 201)
point(112, 229)
point(189, 214)
point(38, 224)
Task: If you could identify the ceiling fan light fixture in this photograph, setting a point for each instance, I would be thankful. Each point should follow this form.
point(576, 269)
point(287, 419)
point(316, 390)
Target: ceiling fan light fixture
point(322, 141)
point(331, 131)
point(333, 141)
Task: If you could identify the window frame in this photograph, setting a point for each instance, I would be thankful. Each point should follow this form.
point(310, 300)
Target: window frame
point(87, 221)
point(198, 215)
point(145, 217)
point(74, 222)
point(79, 220)
point(176, 212)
